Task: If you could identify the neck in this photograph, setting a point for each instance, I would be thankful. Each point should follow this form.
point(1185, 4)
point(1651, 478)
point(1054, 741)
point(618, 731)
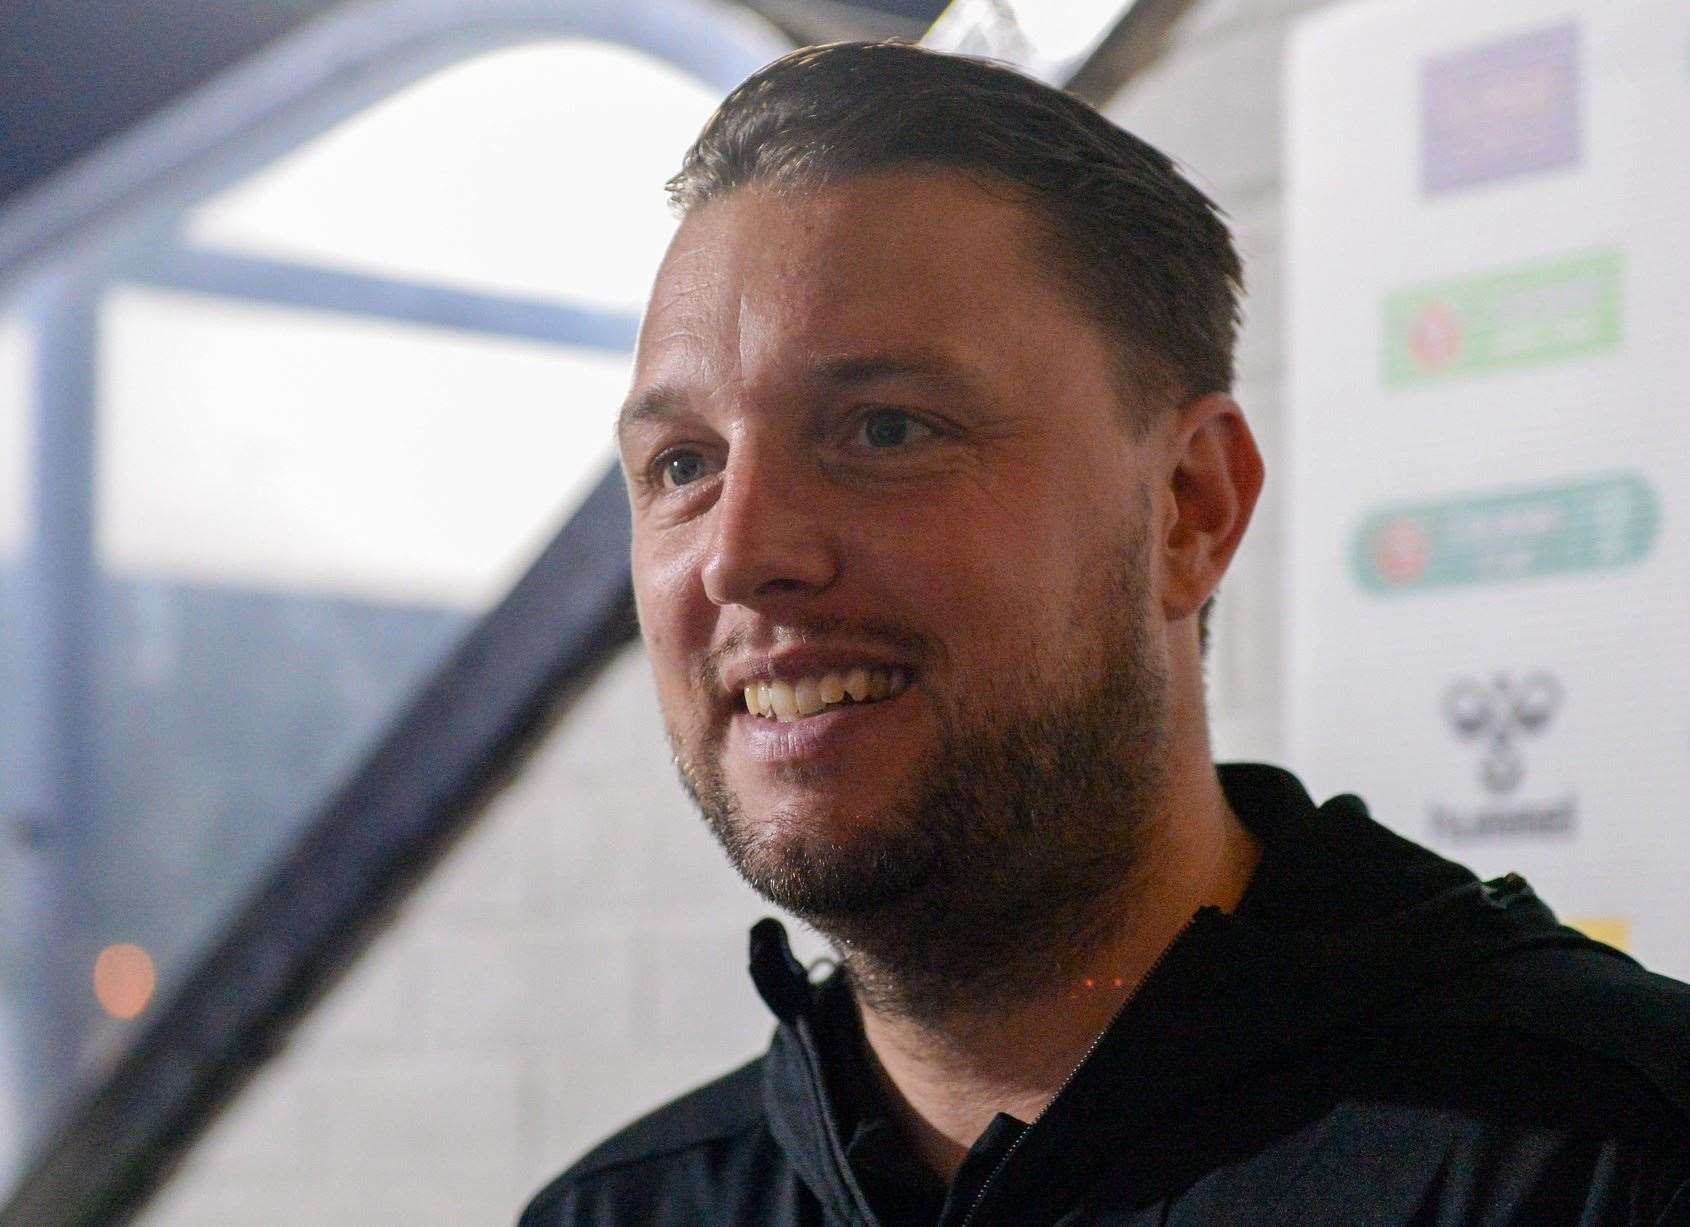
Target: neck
point(947, 1069)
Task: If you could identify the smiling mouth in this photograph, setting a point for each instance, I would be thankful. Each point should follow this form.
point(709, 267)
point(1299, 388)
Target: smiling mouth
point(785, 702)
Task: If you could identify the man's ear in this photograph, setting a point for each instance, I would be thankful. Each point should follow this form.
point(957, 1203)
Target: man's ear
point(1214, 480)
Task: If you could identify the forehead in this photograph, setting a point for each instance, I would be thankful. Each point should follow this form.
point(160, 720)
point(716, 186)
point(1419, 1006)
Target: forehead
point(886, 262)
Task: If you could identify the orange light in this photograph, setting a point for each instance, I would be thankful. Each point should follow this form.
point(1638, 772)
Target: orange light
point(124, 980)
point(1613, 930)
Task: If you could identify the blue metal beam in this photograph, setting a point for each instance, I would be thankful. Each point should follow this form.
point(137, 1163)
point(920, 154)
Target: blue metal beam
point(280, 283)
point(53, 784)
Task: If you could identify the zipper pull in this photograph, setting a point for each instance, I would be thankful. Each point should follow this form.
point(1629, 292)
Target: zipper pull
point(1502, 892)
point(780, 978)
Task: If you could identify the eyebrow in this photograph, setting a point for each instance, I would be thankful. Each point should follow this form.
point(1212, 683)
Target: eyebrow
point(935, 371)
point(661, 401)
point(925, 366)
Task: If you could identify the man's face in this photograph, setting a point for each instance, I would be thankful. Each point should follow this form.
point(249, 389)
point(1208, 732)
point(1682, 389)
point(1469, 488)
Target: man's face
point(866, 432)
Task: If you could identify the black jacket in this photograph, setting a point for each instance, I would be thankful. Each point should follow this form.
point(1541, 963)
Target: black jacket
point(1373, 1037)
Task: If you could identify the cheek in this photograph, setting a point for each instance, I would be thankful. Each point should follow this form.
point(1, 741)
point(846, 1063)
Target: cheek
point(978, 583)
point(913, 558)
point(1041, 592)
point(672, 611)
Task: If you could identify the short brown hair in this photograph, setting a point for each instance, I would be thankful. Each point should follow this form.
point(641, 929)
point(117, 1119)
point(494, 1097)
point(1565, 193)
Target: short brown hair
point(1142, 249)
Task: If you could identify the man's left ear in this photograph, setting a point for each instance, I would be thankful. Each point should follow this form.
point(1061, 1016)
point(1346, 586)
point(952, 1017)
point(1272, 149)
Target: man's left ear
point(1215, 479)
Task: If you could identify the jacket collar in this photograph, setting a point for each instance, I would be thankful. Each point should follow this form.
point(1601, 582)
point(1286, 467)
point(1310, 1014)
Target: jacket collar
point(1341, 919)
point(799, 1104)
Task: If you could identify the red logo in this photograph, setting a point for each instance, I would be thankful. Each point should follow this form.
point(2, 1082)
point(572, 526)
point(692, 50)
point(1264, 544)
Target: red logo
point(1400, 552)
point(1434, 338)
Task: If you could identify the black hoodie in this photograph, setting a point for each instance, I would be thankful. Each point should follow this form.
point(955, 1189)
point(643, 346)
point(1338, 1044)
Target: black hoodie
point(1374, 1036)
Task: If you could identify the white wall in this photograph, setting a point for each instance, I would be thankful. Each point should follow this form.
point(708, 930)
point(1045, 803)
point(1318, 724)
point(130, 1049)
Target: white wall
point(1213, 102)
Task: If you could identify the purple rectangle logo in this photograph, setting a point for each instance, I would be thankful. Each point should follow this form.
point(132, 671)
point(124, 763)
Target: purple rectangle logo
point(1501, 110)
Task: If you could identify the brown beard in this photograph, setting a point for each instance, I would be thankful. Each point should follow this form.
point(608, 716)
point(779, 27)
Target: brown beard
point(1013, 852)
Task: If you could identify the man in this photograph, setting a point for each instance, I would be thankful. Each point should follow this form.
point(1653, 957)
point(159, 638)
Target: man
point(933, 473)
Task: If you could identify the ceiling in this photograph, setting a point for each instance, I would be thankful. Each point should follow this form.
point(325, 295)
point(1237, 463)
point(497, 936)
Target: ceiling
point(77, 73)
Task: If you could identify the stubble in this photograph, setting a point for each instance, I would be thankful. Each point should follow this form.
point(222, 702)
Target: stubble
point(1012, 853)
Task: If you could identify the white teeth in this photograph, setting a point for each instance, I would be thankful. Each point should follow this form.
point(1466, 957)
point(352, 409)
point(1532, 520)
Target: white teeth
point(808, 695)
point(787, 701)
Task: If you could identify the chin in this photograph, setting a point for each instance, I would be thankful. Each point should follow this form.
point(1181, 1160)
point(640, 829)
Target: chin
point(818, 801)
point(805, 810)
point(823, 861)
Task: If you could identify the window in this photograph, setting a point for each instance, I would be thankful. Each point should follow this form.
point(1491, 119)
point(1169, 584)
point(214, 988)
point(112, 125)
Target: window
point(303, 436)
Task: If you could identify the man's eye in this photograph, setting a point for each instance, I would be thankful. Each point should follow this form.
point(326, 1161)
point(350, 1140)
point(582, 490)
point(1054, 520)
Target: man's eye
point(682, 468)
point(886, 428)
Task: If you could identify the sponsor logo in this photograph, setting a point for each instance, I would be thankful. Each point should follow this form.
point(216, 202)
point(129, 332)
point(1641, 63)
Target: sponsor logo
point(1501, 110)
point(1566, 308)
point(1558, 818)
point(1434, 337)
point(1592, 524)
point(1499, 716)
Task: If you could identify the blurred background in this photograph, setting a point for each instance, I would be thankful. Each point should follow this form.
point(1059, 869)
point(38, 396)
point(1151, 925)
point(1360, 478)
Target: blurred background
point(344, 876)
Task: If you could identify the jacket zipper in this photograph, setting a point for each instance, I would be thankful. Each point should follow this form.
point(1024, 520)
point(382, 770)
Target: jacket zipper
point(836, 1147)
point(1097, 1040)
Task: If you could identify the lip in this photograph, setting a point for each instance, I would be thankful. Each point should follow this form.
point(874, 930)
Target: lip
point(795, 663)
point(811, 738)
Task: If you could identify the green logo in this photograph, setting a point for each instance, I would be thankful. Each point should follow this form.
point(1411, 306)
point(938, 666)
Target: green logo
point(1515, 317)
point(1597, 524)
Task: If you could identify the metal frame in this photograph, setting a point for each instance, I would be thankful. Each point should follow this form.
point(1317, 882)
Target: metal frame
point(121, 196)
point(51, 774)
point(511, 677)
point(283, 284)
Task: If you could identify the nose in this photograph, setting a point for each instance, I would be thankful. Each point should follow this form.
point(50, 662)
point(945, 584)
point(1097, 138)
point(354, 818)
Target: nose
point(770, 540)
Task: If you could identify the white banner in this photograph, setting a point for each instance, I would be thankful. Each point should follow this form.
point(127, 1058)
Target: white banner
point(1489, 417)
